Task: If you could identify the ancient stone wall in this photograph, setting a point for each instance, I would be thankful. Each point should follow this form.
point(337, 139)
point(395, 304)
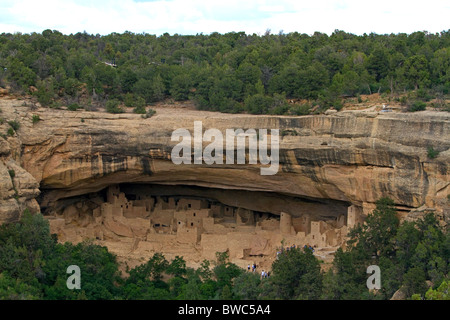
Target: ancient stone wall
point(174, 221)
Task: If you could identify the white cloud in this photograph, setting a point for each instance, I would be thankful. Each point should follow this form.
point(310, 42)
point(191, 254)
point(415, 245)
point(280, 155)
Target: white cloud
point(196, 16)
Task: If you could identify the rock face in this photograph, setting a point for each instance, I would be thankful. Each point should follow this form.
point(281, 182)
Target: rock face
point(355, 157)
point(18, 188)
point(349, 158)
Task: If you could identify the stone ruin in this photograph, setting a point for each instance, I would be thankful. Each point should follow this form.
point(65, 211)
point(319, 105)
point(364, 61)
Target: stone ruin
point(136, 227)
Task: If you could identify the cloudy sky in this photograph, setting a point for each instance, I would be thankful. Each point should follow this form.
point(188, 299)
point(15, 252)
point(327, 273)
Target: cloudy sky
point(206, 16)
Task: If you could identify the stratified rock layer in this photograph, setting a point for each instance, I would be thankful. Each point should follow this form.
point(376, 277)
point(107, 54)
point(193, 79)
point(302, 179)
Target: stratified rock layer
point(356, 157)
point(18, 188)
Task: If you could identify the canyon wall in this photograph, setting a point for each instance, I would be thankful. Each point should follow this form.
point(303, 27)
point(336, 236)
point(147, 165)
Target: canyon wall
point(354, 156)
point(87, 172)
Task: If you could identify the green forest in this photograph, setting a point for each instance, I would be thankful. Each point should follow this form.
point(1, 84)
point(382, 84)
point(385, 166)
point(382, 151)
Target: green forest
point(412, 256)
point(233, 72)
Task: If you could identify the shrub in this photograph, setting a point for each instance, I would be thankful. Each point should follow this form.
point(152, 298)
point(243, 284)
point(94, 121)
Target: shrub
point(329, 100)
point(130, 100)
point(279, 104)
point(423, 94)
point(417, 106)
point(139, 110)
point(14, 124)
point(280, 110)
point(338, 105)
point(55, 105)
point(10, 132)
point(73, 107)
point(300, 110)
point(441, 293)
point(2, 121)
point(35, 118)
point(149, 114)
point(403, 100)
point(258, 104)
point(113, 106)
point(12, 173)
point(431, 153)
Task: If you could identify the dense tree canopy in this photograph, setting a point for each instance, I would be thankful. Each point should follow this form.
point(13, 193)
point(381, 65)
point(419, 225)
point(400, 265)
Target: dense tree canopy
point(230, 72)
point(408, 254)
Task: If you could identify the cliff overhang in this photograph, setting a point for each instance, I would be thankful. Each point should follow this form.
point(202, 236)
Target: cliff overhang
point(353, 157)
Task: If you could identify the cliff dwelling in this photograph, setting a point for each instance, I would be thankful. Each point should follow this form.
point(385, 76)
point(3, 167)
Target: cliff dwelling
point(110, 179)
point(137, 220)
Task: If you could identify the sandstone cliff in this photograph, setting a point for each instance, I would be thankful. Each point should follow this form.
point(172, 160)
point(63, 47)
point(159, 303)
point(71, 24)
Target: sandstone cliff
point(18, 188)
point(354, 156)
